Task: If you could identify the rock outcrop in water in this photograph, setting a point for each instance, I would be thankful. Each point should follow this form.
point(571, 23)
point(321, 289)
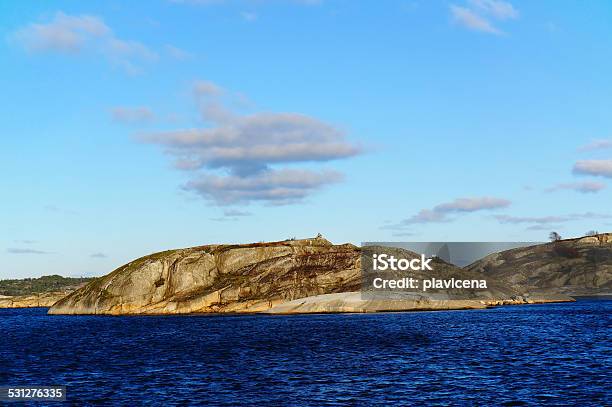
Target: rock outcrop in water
point(581, 266)
point(259, 277)
point(220, 278)
point(43, 300)
point(358, 302)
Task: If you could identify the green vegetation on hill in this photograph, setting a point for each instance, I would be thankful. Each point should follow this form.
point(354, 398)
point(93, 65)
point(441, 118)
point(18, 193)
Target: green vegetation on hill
point(42, 284)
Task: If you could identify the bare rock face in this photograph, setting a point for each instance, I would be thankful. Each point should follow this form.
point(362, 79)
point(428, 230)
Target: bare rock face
point(220, 278)
point(358, 302)
point(287, 276)
point(44, 300)
point(580, 266)
point(441, 270)
point(310, 275)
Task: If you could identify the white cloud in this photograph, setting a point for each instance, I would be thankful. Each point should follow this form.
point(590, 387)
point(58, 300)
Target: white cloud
point(472, 21)
point(65, 33)
point(427, 216)
point(236, 155)
point(215, 2)
point(98, 255)
point(235, 213)
point(308, 2)
point(178, 53)
point(244, 144)
point(132, 115)
point(277, 187)
point(477, 15)
point(547, 220)
point(596, 145)
point(76, 34)
point(13, 250)
point(231, 215)
point(251, 143)
point(404, 234)
point(203, 88)
point(544, 226)
point(583, 187)
point(440, 213)
point(496, 8)
point(26, 241)
point(530, 219)
point(472, 204)
point(128, 49)
point(602, 168)
point(198, 2)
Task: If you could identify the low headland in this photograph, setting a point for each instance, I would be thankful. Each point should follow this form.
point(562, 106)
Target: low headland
point(315, 276)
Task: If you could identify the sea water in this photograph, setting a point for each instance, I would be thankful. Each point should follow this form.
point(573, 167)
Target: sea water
point(559, 354)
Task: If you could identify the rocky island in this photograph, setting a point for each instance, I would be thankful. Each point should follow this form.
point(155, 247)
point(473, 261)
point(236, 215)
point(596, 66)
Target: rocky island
point(291, 276)
point(43, 300)
point(38, 292)
point(220, 278)
point(576, 267)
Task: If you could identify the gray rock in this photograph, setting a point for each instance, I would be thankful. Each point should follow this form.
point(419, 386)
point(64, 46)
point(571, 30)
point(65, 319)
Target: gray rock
point(220, 278)
point(261, 276)
point(580, 266)
point(44, 300)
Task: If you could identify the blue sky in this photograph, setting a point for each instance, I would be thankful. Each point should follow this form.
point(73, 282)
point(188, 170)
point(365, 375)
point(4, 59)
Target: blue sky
point(133, 127)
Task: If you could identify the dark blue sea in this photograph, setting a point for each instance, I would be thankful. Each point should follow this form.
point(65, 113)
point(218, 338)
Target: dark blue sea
point(555, 354)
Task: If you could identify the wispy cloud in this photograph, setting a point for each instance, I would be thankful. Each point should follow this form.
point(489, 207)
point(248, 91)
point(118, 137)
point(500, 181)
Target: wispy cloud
point(602, 168)
point(64, 33)
point(469, 19)
point(231, 215)
point(207, 89)
point(545, 226)
point(17, 250)
point(276, 187)
point(530, 219)
point(441, 213)
point(249, 15)
point(98, 255)
point(177, 53)
point(198, 2)
point(58, 209)
point(216, 2)
point(77, 34)
point(403, 234)
point(235, 158)
point(477, 15)
point(541, 222)
point(472, 204)
point(596, 145)
point(502, 10)
point(236, 213)
point(132, 115)
point(583, 187)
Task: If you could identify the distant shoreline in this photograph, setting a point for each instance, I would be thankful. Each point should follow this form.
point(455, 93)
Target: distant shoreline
point(605, 297)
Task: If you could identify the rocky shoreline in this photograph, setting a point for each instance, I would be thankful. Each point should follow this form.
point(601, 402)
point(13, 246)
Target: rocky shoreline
point(316, 276)
point(357, 302)
point(40, 300)
point(292, 276)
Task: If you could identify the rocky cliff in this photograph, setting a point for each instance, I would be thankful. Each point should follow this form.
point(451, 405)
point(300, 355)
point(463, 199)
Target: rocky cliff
point(580, 266)
point(259, 277)
point(220, 278)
